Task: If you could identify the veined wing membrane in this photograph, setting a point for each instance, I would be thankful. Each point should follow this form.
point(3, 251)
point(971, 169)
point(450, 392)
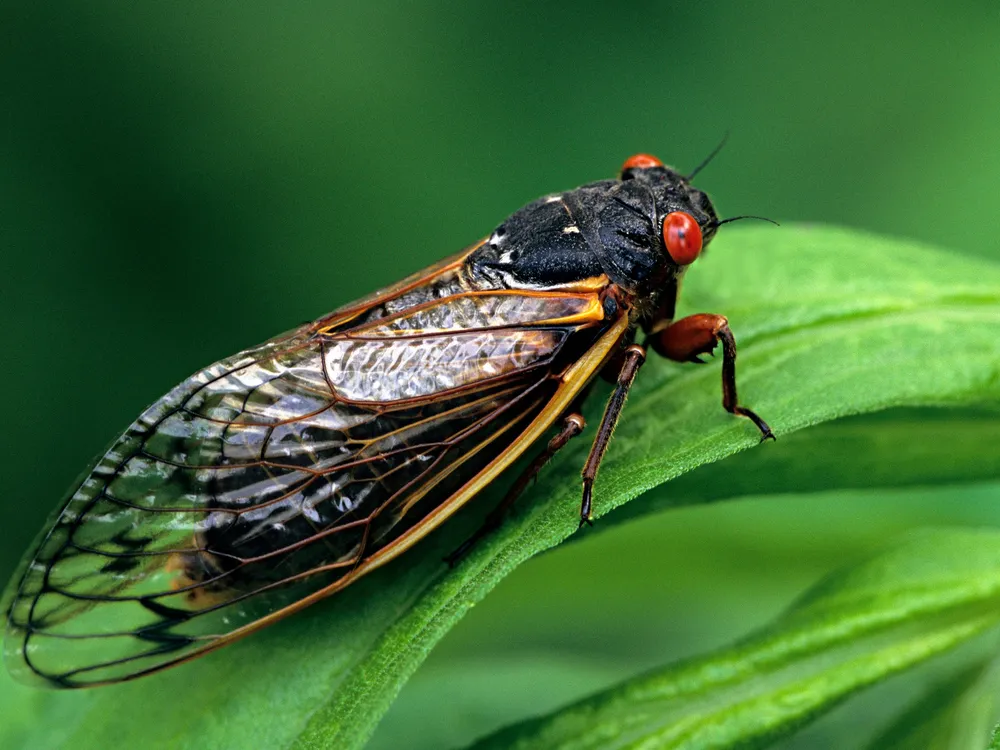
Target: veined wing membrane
point(272, 477)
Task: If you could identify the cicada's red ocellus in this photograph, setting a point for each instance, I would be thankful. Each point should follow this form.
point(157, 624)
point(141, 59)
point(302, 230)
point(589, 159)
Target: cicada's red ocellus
point(277, 477)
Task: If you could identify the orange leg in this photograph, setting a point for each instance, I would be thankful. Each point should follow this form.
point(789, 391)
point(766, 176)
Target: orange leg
point(689, 337)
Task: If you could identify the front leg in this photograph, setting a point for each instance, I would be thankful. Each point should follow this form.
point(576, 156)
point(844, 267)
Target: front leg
point(685, 339)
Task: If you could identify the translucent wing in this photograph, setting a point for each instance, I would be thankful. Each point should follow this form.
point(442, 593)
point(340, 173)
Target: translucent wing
point(279, 475)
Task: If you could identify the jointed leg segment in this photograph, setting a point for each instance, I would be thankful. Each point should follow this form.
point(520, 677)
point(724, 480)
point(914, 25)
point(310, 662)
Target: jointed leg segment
point(682, 341)
point(573, 425)
point(635, 355)
point(699, 334)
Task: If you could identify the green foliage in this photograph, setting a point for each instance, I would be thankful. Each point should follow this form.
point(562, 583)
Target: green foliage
point(955, 715)
point(830, 323)
point(850, 631)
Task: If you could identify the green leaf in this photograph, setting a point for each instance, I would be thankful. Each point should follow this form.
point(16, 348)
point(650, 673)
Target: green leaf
point(829, 323)
point(916, 600)
point(895, 448)
point(956, 715)
point(668, 587)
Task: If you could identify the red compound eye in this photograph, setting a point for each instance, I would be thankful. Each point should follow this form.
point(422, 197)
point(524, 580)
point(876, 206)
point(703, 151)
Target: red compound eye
point(682, 237)
point(641, 161)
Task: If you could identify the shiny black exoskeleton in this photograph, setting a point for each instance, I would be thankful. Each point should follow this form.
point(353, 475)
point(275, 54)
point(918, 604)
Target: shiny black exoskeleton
point(614, 227)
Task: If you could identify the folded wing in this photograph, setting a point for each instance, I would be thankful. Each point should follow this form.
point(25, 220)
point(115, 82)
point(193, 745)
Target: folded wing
point(274, 477)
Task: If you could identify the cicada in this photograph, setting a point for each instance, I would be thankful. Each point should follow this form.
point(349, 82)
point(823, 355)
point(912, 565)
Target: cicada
point(280, 475)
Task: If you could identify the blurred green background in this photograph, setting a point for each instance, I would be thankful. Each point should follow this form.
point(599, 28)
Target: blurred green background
point(181, 180)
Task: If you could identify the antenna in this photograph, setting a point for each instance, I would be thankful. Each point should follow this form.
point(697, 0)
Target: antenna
point(709, 158)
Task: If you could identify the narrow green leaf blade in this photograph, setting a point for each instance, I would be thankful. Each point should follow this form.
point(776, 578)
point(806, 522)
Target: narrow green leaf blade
point(916, 600)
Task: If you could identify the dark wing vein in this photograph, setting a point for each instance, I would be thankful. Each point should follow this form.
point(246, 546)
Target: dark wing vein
point(269, 478)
